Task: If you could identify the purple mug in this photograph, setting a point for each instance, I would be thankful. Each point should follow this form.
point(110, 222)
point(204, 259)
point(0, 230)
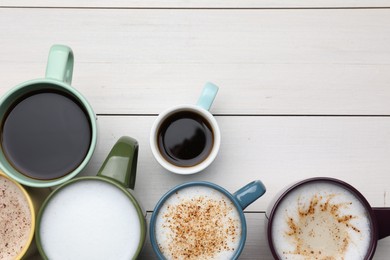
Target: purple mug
point(324, 218)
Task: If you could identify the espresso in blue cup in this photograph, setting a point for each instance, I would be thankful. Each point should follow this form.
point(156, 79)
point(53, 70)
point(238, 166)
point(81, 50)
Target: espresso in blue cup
point(202, 220)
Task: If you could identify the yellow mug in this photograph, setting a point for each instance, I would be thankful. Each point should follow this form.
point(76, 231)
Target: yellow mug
point(14, 197)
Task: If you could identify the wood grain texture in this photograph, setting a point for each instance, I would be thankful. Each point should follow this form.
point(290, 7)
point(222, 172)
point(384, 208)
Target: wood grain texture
point(197, 3)
point(276, 150)
point(304, 86)
point(265, 61)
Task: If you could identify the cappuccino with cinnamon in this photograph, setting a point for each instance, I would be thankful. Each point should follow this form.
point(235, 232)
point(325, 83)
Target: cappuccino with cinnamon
point(321, 220)
point(198, 222)
point(15, 220)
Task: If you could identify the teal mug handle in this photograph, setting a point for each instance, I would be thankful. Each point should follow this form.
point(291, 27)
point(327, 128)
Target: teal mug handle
point(249, 193)
point(121, 163)
point(207, 96)
point(60, 64)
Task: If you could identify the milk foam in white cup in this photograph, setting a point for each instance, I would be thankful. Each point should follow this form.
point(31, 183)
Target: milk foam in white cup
point(95, 217)
point(324, 218)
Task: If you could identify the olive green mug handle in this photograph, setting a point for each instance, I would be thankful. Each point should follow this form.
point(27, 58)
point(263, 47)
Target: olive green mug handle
point(60, 63)
point(121, 163)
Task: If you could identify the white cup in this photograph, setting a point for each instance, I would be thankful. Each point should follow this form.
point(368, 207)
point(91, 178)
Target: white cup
point(201, 109)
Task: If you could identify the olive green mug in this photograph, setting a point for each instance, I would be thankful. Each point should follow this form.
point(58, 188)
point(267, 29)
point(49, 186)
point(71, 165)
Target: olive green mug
point(95, 217)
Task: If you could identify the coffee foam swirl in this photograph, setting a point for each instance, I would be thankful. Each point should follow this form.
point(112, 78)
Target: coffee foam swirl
point(15, 220)
point(321, 223)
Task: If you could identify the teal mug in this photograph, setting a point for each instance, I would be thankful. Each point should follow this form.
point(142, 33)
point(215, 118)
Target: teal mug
point(202, 220)
point(48, 129)
point(95, 217)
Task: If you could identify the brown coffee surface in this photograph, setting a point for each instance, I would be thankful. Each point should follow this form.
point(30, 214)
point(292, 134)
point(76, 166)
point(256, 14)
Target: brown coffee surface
point(15, 220)
point(200, 229)
point(321, 230)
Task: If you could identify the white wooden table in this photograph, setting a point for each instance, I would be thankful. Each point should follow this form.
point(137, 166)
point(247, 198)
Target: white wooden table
point(304, 86)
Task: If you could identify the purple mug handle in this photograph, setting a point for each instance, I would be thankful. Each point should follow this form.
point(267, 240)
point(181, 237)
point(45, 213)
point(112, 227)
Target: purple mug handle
point(382, 216)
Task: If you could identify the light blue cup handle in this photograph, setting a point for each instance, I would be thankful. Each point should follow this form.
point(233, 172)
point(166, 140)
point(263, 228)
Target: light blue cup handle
point(249, 193)
point(60, 64)
point(208, 95)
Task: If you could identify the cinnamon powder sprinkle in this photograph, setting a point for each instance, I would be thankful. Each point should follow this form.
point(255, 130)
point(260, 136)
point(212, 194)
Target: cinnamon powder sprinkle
point(15, 220)
point(200, 228)
point(321, 220)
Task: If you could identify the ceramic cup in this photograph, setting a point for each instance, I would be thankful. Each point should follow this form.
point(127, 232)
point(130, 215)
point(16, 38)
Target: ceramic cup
point(202, 219)
point(185, 139)
point(18, 209)
point(95, 217)
point(48, 129)
point(324, 218)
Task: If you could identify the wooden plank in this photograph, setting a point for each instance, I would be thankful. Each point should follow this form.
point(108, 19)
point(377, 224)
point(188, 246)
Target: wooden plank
point(276, 150)
point(196, 3)
point(265, 61)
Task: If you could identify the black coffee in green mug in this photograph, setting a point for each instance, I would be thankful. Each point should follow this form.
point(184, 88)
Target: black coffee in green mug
point(46, 133)
point(48, 129)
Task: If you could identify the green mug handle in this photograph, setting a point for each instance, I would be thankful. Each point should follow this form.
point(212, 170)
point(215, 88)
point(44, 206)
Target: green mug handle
point(60, 64)
point(121, 163)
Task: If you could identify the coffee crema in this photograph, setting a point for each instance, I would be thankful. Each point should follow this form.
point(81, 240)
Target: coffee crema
point(15, 220)
point(185, 139)
point(198, 222)
point(321, 221)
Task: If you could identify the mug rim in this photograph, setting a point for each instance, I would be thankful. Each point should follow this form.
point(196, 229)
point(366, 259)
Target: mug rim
point(374, 232)
point(160, 203)
point(28, 181)
point(191, 169)
point(32, 212)
point(117, 184)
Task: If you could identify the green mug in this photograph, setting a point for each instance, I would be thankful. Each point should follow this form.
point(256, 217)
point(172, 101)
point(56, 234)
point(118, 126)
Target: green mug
point(48, 129)
point(95, 217)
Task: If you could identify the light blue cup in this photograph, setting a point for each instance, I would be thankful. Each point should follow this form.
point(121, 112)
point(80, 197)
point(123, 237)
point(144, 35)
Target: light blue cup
point(241, 199)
